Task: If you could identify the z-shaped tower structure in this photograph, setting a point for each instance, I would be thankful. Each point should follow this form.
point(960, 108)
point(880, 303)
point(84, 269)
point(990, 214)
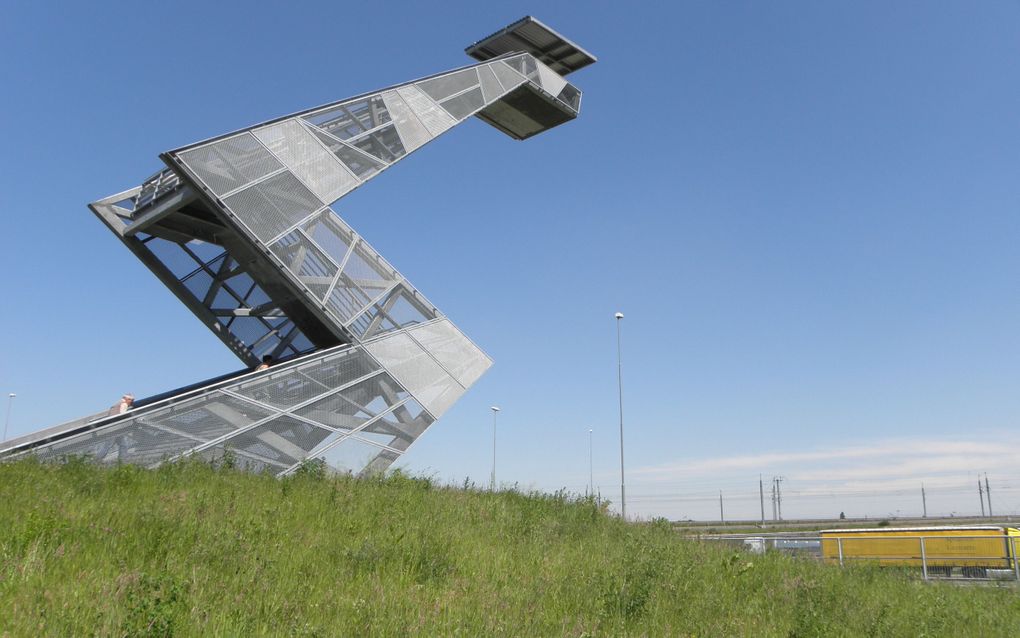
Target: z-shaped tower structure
point(244, 230)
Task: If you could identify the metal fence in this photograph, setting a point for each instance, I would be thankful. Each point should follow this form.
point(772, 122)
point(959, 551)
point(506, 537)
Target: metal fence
point(960, 557)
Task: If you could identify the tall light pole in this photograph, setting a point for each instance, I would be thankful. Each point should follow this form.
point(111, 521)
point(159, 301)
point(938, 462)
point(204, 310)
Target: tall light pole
point(7, 421)
point(492, 484)
point(591, 472)
point(619, 377)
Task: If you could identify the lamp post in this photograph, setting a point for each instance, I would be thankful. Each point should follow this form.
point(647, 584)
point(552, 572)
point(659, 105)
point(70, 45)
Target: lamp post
point(619, 377)
point(7, 421)
point(492, 484)
point(591, 473)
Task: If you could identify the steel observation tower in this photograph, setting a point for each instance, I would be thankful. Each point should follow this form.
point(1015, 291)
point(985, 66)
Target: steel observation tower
point(244, 229)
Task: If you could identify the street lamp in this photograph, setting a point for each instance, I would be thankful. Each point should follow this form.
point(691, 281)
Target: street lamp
point(492, 485)
point(7, 421)
point(591, 474)
point(619, 377)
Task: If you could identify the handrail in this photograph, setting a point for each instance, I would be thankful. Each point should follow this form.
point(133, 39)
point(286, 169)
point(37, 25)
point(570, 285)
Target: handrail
point(148, 404)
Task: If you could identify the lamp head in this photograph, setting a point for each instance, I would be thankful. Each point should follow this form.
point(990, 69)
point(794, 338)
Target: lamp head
point(494, 409)
point(619, 315)
point(12, 395)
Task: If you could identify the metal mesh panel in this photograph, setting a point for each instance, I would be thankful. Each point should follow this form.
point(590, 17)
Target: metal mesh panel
point(517, 63)
point(531, 68)
point(270, 207)
point(123, 443)
point(464, 104)
point(380, 463)
point(452, 349)
point(444, 86)
point(371, 322)
point(155, 436)
point(282, 391)
point(389, 138)
point(490, 86)
point(371, 145)
point(379, 438)
point(397, 310)
point(293, 386)
point(207, 417)
point(241, 460)
point(340, 369)
point(365, 269)
point(404, 310)
point(551, 81)
point(375, 144)
point(405, 360)
point(439, 395)
point(417, 371)
point(319, 169)
point(375, 395)
point(346, 300)
point(364, 278)
point(378, 394)
point(229, 164)
point(525, 65)
point(570, 96)
point(161, 432)
point(335, 412)
point(283, 440)
point(361, 164)
point(412, 132)
point(435, 119)
point(351, 118)
point(311, 266)
point(402, 425)
point(330, 234)
point(409, 412)
point(351, 455)
point(507, 76)
point(351, 407)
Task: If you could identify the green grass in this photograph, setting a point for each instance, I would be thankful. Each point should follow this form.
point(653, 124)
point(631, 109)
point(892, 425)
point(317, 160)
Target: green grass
point(194, 550)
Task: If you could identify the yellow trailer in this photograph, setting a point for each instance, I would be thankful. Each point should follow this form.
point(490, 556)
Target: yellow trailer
point(973, 549)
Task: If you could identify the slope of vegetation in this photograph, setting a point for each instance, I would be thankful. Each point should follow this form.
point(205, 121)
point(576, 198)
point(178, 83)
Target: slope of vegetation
point(193, 550)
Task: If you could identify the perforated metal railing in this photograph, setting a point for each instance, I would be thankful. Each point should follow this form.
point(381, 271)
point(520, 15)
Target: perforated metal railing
point(544, 78)
point(162, 183)
point(340, 405)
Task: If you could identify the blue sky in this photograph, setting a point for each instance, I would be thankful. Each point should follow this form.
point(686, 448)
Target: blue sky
point(808, 213)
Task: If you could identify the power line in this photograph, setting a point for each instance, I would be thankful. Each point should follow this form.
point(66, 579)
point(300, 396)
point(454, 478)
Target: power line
point(981, 497)
point(988, 494)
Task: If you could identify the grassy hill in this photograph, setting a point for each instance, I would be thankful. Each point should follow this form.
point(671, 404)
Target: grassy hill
point(194, 550)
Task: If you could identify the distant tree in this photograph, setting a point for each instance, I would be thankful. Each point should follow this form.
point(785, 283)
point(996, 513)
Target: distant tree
point(842, 516)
